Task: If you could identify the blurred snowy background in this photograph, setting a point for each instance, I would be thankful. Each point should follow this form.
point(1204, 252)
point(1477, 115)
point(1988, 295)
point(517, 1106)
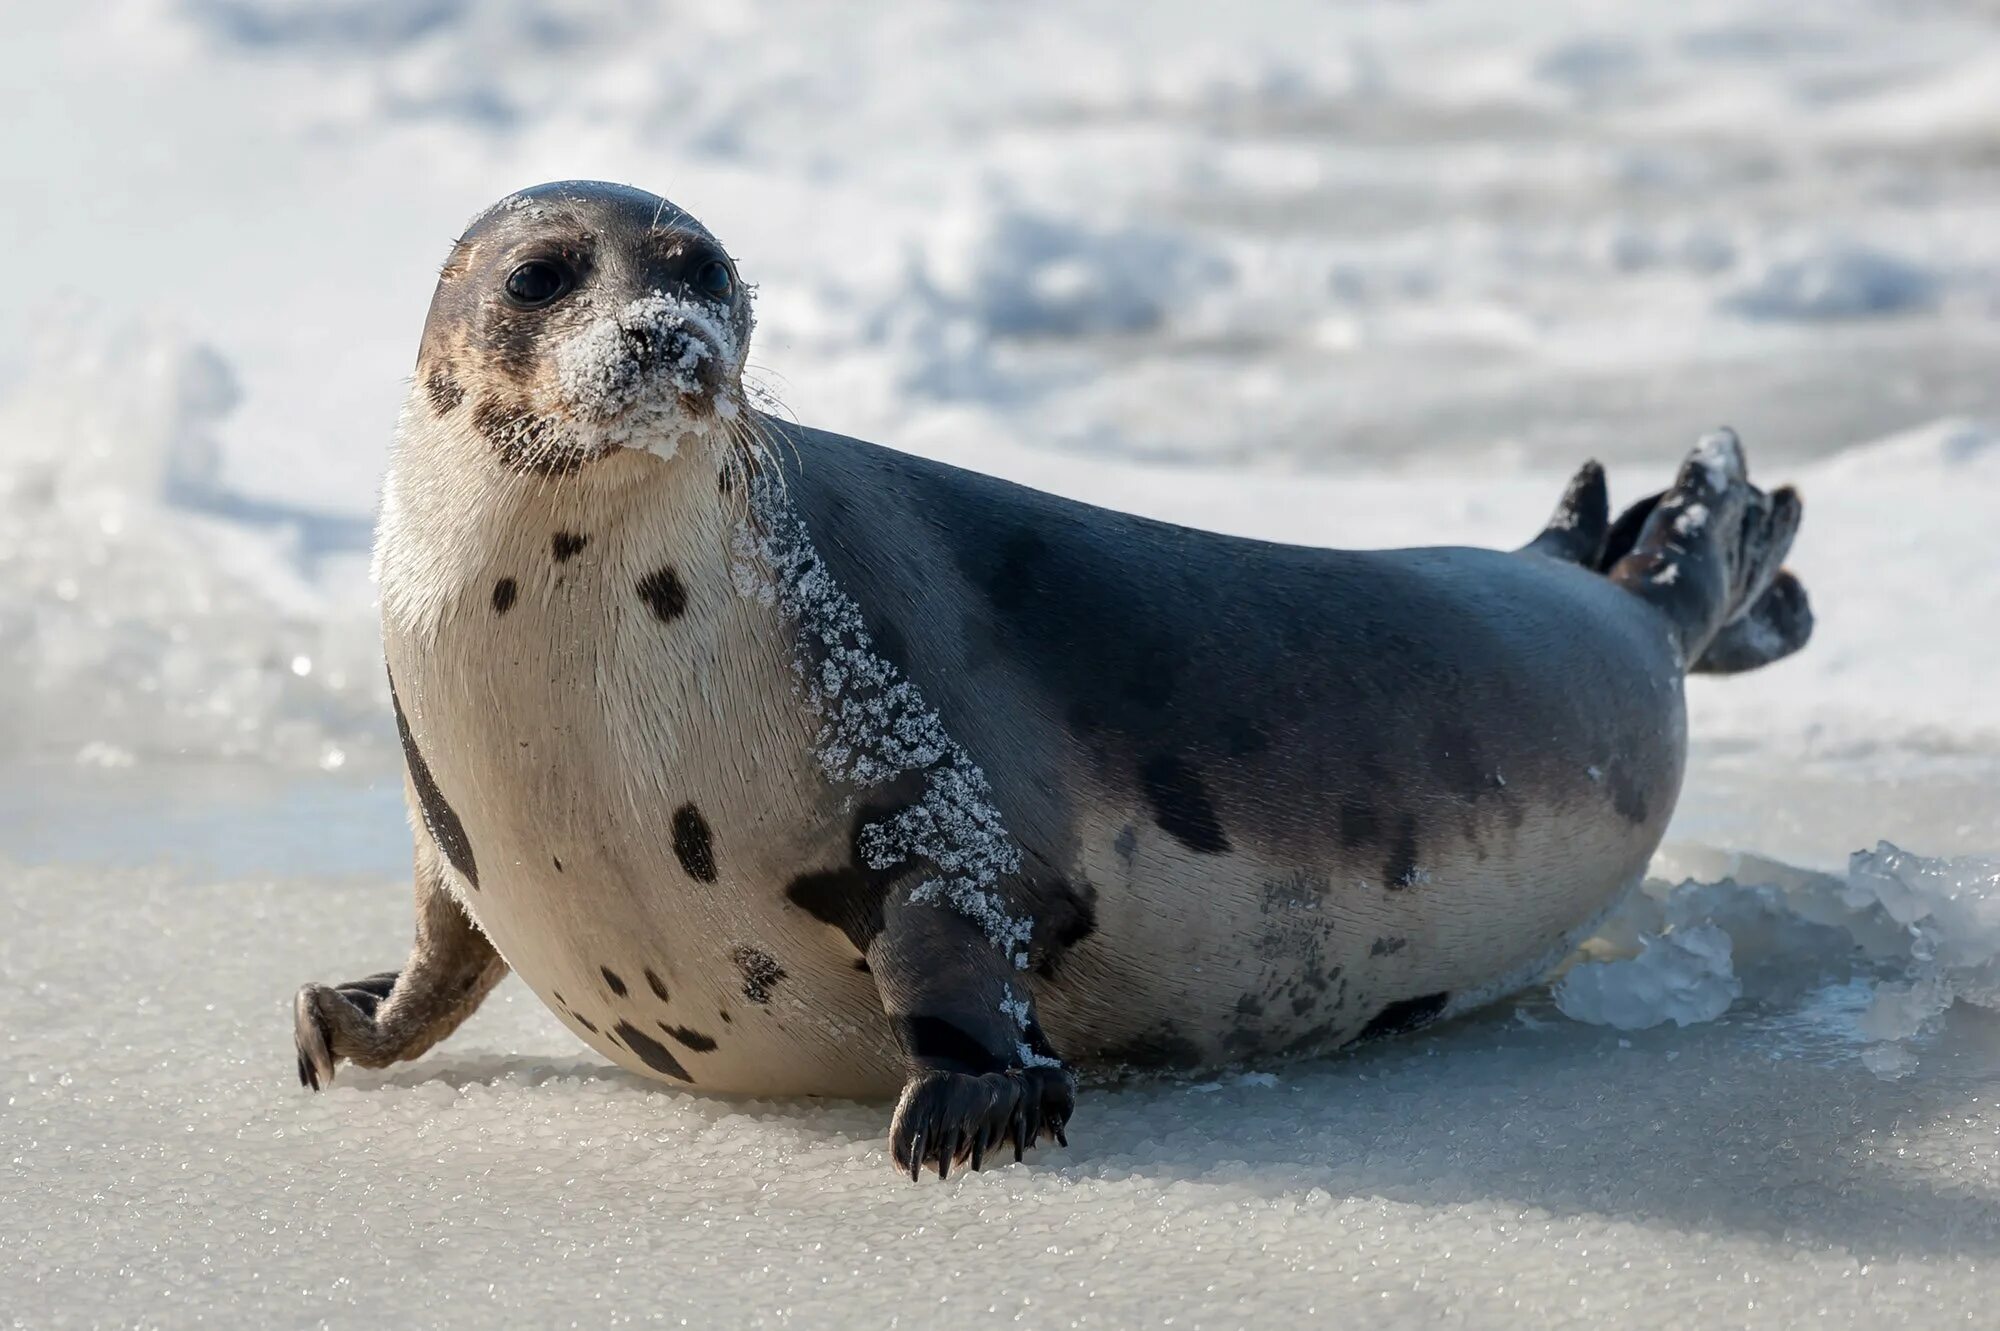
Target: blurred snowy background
point(1364, 273)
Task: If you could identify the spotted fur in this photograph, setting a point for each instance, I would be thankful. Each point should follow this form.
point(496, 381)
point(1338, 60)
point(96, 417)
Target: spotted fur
point(957, 785)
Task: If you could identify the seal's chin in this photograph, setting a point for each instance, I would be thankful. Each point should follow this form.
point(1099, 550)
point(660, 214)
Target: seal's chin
point(649, 377)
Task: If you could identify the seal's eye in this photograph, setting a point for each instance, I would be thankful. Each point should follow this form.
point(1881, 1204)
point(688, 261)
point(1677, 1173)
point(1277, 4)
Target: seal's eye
point(537, 282)
point(712, 279)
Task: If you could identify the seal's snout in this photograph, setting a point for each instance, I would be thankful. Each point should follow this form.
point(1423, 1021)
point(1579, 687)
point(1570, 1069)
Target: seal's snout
point(657, 368)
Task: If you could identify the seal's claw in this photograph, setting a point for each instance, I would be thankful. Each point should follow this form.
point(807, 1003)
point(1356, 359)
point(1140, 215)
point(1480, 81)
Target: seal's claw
point(312, 1037)
point(948, 1117)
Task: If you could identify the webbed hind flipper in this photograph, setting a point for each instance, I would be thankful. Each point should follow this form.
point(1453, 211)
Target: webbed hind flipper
point(1777, 624)
point(1711, 548)
point(1576, 531)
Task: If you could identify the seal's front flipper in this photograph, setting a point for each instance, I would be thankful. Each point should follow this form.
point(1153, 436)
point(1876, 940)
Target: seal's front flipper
point(1710, 550)
point(981, 1073)
point(1577, 529)
point(397, 1015)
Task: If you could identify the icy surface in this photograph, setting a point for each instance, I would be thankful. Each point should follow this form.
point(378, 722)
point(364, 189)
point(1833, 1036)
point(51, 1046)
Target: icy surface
point(162, 1165)
point(1683, 977)
point(1354, 274)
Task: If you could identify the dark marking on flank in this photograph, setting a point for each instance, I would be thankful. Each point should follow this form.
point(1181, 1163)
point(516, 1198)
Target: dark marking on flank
point(1013, 582)
point(614, 979)
point(847, 899)
point(585, 1022)
point(693, 1039)
point(656, 984)
point(444, 392)
point(1404, 1015)
point(724, 1014)
point(1181, 805)
point(1400, 870)
point(761, 973)
point(693, 845)
point(567, 545)
point(938, 1043)
point(504, 592)
point(1628, 798)
point(1385, 947)
point(439, 818)
point(1127, 843)
point(663, 594)
point(651, 1052)
point(557, 860)
point(1064, 917)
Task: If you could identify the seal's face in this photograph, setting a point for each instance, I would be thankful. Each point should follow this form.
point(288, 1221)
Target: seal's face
point(579, 318)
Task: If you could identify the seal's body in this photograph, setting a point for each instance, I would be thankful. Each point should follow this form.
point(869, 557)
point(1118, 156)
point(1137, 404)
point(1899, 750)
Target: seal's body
point(732, 736)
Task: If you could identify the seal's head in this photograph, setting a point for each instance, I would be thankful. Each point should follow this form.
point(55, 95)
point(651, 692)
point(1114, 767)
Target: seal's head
point(579, 318)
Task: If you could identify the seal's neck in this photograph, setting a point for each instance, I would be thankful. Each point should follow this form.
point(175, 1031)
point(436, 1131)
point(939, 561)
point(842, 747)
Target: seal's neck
point(451, 511)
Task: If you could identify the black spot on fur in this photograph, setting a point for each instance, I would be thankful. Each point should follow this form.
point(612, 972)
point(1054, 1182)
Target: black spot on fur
point(1181, 805)
point(695, 1040)
point(612, 978)
point(1063, 917)
point(439, 818)
point(1404, 1015)
point(1401, 870)
point(1385, 947)
point(559, 998)
point(504, 592)
point(1249, 1005)
point(651, 1052)
point(1011, 584)
point(1628, 796)
point(444, 392)
point(761, 973)
point(724, 1014)
point(850, 897)
point(585, 1022)
point(861, 964)
point(567, 545)
point(557, 861)
point(693, 845)
point(938, 1043)
point(663, 594)
point(847, 899)
point(656, 984)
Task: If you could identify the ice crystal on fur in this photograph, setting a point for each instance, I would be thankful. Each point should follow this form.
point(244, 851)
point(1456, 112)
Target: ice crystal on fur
point(875, 726)
point(630, 372)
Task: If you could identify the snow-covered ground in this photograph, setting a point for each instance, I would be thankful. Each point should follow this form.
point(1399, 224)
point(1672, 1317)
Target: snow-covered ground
point(1375, 273)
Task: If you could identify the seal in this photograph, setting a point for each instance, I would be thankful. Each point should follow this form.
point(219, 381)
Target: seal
point(781, 763)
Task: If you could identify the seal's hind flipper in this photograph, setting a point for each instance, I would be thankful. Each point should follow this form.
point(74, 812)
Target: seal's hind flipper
point(1711, 547)
point(1576, 530)
point(1777, 624)
point(1625, 532)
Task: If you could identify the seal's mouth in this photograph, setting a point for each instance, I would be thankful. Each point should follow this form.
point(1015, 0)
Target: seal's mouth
point(649, 375)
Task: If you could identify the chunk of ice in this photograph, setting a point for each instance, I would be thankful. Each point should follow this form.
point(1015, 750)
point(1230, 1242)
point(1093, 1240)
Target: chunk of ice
point(1684, 977)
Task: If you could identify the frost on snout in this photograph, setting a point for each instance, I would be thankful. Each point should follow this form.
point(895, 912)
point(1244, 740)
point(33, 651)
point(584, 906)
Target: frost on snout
point(656, 370)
